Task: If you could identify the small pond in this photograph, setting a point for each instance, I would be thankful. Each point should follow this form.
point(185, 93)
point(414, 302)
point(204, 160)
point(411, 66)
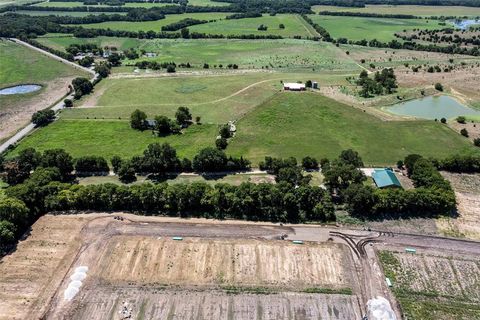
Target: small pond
point(433, 107)
point(464, 24)
point(21, 89)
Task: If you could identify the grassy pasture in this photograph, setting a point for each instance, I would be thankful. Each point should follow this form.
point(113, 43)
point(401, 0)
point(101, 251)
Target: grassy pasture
point(294, 25)
point(64, 13)
point(299, 124)
point(284, 54)
point(154, 25)
point(22, 65)
point(204, 3)
point(358, 28)
point(406, 9)
point(80, 4)
point(109, 138)
point(216, 98)
point(62, 41)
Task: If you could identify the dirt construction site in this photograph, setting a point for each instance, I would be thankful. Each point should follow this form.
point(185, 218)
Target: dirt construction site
point(105, 266)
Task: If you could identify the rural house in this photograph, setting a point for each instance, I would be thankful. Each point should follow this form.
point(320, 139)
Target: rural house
point(293, 86)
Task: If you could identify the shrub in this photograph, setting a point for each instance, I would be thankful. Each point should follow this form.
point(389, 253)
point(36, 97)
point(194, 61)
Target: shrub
point(43, 117)
point(476, 142)
point(438, 86)
point(461, 119)
point(464, 132)
point(443, 120)
point(221, 143)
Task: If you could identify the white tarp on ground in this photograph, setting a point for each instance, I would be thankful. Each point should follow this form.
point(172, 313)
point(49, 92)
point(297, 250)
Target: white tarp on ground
point(74, 285)
point(379, 309)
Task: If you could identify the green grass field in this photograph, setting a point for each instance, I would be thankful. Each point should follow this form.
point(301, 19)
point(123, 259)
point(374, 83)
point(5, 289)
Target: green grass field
point(109, 138)
point(209, 3)
point(154, 25)
point(216, 98)
point(358, 28)
point(284, 54)
point(80, 4)
point(294, 25)
point(300, 124)
point(22, 65)
point(406, 9)
point(64, 13)
point(62, 41)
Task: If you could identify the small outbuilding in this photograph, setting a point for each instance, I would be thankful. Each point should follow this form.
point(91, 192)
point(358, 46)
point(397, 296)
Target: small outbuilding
point(150, 123)
point(293, 86)
point(385, 178)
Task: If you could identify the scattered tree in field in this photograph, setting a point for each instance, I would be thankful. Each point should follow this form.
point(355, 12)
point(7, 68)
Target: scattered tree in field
point(443, 120)
point(281, 26)
point(137, 120)
point(81, 86)
point(464, 132)
point(43, 117)
point(438, 86)
point(262, 27)
point(225, 131)
point(170, 68)
point(183, 116)
point(476, 142)
point(221, 143)
point(198, 119)
point(68, 103)
point(461, 119)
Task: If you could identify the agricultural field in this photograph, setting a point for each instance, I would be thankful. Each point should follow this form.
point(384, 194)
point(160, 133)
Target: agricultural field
point(208, 3)
point(359, 28)
point(434, 287)
point(72, 4)
point(324, 127)
point(64, 13)
point(21, 65)
point(14, 2)
point(154, 25)
point(294, 25)
point(217, 268)
point(284, 54)
point(406, 9)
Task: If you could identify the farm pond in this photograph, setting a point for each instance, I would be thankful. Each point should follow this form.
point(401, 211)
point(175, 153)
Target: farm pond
point(20, 89)
point(433, 107)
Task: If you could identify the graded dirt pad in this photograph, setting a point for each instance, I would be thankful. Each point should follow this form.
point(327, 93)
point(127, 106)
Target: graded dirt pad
point(32, 273)
point(167, 304)
point(197, 262)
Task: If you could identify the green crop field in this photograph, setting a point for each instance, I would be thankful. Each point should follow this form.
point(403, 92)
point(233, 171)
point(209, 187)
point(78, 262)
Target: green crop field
point(294, 25)
point(406, 9)
point(64, 13)
point(62, 41)
point(80, 4)
point(20, 65)
point(154, 25)
point(109, 138)
point(204, 3)
point(284, 54)
point(216, 98)
point(14, 2)
point(300, 124)
point(358, 28)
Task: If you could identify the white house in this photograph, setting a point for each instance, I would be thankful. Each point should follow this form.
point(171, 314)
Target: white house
point(293, 86)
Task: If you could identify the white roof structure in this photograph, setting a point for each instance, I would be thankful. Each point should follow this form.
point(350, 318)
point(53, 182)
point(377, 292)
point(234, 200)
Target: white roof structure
point(294, 86)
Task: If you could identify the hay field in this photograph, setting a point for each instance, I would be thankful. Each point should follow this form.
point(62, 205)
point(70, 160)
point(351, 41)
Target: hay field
point(406, 9)
point(198, 262)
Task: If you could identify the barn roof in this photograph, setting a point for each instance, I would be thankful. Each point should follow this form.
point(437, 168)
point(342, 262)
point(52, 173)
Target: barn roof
point(385, 178)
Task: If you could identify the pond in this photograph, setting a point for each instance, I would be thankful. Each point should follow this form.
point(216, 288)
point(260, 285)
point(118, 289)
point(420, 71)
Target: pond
point(433, 107)
point(464, 24)
point(21, 89)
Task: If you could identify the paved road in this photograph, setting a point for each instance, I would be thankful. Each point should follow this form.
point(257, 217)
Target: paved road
point(29, 127)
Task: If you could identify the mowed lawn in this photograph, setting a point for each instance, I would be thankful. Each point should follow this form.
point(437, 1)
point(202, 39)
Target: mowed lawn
point(109, 138)
point(21, 65)
point(157, 24)
point(294, 26)
point(300, 124)
point(359, 28)
point(406, 9)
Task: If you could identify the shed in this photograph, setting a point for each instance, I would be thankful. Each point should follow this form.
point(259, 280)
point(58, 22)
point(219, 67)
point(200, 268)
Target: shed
point(385, 178)
point(293, 86)
point(315, 85)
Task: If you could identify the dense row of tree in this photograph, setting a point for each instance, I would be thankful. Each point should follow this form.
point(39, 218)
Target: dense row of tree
point(368, 14)
point(183, 24)
point(321, 30)
point(244, 15)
